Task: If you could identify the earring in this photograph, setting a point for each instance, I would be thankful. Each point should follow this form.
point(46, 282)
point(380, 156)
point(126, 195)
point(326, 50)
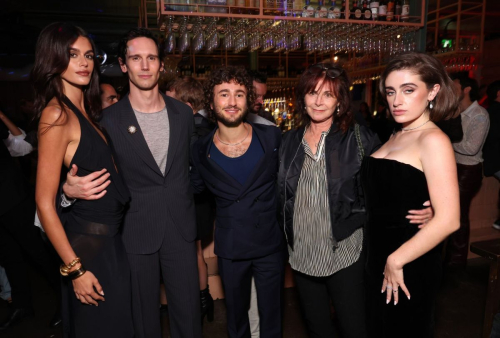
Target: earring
point(338, 110)
point(431, 105)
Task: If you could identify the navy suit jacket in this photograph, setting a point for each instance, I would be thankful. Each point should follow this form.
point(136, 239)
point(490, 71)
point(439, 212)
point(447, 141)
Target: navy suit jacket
point(246, 224)
point(157, 201)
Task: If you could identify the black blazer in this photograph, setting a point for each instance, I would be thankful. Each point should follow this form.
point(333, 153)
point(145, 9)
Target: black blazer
point(157, 201)
point(246, 224)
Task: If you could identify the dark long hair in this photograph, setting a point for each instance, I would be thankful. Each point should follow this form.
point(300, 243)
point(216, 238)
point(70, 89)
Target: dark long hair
point(431, 71)
point(51, 60)
point(334, 77)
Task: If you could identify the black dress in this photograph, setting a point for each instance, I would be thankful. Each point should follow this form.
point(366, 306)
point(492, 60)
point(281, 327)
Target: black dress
point(93, 228)
point(391, 189)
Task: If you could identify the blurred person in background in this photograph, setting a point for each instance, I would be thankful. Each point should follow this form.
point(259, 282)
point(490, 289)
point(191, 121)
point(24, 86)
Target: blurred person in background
point(190, 91)
point(20, 242)
point(259, 80)
point(108, 95)
point(469, 158)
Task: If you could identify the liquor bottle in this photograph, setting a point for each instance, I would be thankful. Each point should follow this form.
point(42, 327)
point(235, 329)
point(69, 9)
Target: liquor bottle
point(321, 11)
point(342, 10)
point(367, 13)
point(382, 11)
point(334, 11)
point(374, 4)
point(308, 10)
point(390, 10)
point(405, 10)
point(331, 10)
point(356, 11)
point(281, 71)
point(398, 10)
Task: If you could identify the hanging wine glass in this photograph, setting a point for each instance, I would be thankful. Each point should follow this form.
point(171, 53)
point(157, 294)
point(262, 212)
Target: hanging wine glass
point(169, 44)
point(199, 36)
point(228, 35)
point(184, 41)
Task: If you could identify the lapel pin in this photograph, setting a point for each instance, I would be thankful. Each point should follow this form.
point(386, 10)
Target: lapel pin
point(132, 129)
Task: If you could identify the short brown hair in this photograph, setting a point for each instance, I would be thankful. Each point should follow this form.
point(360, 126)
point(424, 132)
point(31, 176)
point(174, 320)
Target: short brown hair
point(336, 78)
point(188, 90)
point(431, 71)
point(226, 75)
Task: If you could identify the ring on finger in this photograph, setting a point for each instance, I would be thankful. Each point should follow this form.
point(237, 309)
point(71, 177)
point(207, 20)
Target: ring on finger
point(395, 290)
point(389, 287)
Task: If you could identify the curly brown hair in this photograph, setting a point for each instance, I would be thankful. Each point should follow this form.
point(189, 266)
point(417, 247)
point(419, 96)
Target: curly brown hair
point(228, 74)
point(333, 76)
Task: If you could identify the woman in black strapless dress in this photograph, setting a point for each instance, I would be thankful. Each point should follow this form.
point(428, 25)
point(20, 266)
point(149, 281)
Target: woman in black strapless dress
point(415, 165)
point(96, 287)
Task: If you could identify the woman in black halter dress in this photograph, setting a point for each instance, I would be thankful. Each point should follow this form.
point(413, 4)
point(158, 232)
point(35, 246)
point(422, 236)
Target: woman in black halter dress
point(415, 165)
point(96, 286)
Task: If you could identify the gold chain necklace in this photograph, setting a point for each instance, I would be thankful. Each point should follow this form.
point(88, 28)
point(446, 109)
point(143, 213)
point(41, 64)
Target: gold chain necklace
point(232, 144)
point(408, 129)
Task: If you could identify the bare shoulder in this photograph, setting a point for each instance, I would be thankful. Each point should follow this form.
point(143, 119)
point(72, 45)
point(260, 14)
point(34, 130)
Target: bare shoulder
point(433, 137)
point(53, 113)
point(54, 117)
point(436, 150)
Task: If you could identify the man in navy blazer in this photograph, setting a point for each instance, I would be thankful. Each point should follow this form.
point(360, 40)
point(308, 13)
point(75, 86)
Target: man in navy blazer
point(238, 162)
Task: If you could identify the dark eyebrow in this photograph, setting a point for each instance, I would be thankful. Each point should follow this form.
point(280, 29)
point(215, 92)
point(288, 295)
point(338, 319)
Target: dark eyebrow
point(408, 84)
point(134, 55)
point(401, 86)
point(227, 90)
point(77, 50)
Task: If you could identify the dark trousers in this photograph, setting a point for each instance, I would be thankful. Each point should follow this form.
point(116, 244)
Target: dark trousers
point(21, 245)
point(177, 262)
point(268, 273)
point(345, 289)
point(469, 183)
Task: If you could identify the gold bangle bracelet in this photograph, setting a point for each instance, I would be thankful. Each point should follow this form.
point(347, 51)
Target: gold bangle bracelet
point(64, 269)
point(73, 263)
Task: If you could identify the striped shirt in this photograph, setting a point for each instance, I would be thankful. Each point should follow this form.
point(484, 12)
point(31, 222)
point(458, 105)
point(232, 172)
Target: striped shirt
point(314, 252)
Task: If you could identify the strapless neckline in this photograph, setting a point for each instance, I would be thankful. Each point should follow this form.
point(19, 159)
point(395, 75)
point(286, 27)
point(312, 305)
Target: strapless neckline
point(397, 162)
